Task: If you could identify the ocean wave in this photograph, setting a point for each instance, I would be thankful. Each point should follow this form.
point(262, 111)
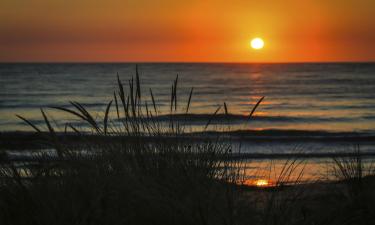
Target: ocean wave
point(246, 138)
point(285, 134)
point(236, 118)
point(223, 119)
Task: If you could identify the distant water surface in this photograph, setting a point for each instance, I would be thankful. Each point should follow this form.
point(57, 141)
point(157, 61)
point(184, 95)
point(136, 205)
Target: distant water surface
point(324, 97)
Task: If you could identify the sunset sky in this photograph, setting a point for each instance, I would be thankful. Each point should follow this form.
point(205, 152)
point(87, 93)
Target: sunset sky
point(186, 31)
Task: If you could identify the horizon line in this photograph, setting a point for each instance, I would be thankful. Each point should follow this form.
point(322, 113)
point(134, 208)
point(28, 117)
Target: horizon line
point(182, 62)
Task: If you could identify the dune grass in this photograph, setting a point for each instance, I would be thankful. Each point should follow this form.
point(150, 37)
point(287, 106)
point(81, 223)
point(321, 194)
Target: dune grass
point(356, 189)
point(131, 181)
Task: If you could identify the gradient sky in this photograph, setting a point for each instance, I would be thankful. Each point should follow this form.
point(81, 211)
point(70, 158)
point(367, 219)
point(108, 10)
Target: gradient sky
point(187, 31)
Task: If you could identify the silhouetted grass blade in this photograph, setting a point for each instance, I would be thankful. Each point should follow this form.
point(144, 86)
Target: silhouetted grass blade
point(29, 123)
point(255, 107)
point(212, 117)
point(105, 122)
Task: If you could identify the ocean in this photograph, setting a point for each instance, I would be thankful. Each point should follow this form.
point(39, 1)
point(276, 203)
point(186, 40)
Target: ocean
point(315, 108)
point(334, 97)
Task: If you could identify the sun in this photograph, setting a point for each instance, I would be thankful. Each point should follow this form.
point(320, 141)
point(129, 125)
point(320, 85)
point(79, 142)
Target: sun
point(257, 43)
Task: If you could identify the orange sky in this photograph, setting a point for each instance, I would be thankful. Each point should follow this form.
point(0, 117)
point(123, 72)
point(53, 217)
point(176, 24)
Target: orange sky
point(187, 31)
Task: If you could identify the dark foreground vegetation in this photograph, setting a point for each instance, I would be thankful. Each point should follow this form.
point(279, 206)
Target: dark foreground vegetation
point(167, 180)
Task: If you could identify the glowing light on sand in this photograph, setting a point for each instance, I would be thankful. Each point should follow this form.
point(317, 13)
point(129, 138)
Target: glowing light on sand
point(257, 43)
point(262, 183)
